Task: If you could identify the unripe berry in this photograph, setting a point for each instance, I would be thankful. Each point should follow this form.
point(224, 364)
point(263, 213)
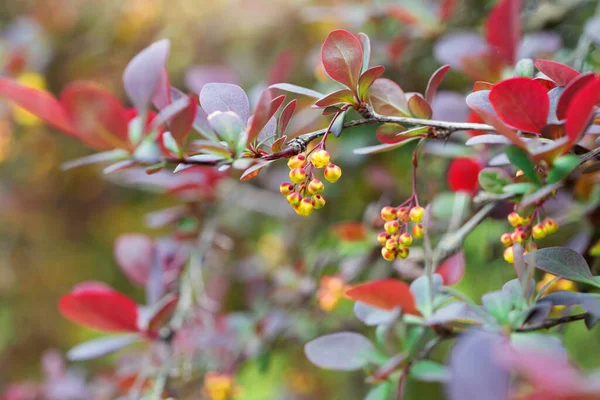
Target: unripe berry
point(305, 207)
point(297, 161)
point(388, 213)
point(388, 255)
point(320, 158)
point(333, 173)
point(294, 198)
point(318, 201)
point(286, 188)
point(391, 227)
point(518, 236)
point(418, 231)
point(395, 236)
point(382, 238)
point(406, 239)
point(550, 225)
point(403, 252)
point(391, 244)
point(402, 213)
point(506, 239)
point(538, 231)
point(509, 255)
point(525, 220)
point(416, 214)
point(514, 219)
point(297, 175)
point(316, 186)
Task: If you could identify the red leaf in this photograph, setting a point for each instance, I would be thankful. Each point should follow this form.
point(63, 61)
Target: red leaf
point(265, 109)
point(281, 68)
point(434, 82)
point(104, 310)
point(350, 231)
point(503, 29)
point(446, 10)
point(452, 269)
point(162, 316)
point(388, 133)
point(475, 119)
point(181, 125)
point(419, 107)
point(386, 294)
point(463, 175)
point(570, 91)
point(342, 96)
point(162, 97)
point(481, 85)
point(286, 116)
point(560, 73)
point(38, 102)
point(522, 103)
point(99, 117)
point(581, 110)
point(387, 98)
point(547, 83)
point(134, 253)
point(367, 79)
point(342, 56)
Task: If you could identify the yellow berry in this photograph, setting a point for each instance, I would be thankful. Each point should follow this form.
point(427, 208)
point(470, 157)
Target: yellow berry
point(391, 227)
point(333, 173)
point(320, 158)
point(514, 219)
point(395, 236)
point(318, 201)
point(297, 161)
point(294, 198)
point(417, 231)
point(538, 231)
point(406, 239)
point(525, 220)
point(388, 255)
point(402, 213)
point(315, 187)
point(403, 252)
point(305, 207)
point(550, 226)
point(416, 214)
point(391, 244)
point(286, 188)
point(297, 175)
point(388, 213)
point(518, 236)
point(506, 239)
point(382, 238)
point(509, 255)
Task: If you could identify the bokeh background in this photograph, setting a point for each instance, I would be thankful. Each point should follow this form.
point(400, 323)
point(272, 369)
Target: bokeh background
point(57, 227)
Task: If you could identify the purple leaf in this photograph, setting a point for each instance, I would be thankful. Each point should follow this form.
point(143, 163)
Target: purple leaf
point(453, 48)
point(372, 316)
point(100, 347)
point(475, 372)
point(342, 351)
point(450, 106)
point(144, 73)
point(537, 44)
point(288, 87)
point(134, 253)
point(225, 97)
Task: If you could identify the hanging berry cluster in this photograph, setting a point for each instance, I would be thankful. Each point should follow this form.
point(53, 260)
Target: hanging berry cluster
point(396, 239)
point(525, 233)
point(304, 193)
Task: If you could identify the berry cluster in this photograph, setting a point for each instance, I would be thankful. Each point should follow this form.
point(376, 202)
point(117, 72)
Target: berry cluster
point(304, 193)
point(525, 233)
point(396, 240)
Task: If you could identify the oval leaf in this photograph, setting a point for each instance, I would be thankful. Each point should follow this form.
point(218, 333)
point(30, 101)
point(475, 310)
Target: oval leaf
point(225, 97)
point(463, 174)
point(560, 73)
point(100, 347)
point(434, 82)
point(342, 57)
point(386, 294)
point(581, 110)
point(419, 107)
point(342, 351)
point(563, 262)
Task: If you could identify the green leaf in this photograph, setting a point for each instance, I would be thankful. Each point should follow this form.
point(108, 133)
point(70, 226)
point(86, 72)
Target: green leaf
point(562, 167)
point(494, 179)
point(338, 124)
point(520, 159)
point(381, 148)
point(380, 392)
point(498, 304)
point(524, 68)
point(563, 262)
point(519, 188)
point(429, 371)
point(366, 45)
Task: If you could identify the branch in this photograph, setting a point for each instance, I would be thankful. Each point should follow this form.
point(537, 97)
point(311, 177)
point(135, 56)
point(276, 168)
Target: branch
point(550, 323)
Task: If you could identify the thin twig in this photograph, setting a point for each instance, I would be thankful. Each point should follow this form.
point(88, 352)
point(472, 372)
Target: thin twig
point(550, 323)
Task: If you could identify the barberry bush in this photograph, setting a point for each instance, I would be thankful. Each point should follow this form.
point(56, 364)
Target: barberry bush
point(464, 268)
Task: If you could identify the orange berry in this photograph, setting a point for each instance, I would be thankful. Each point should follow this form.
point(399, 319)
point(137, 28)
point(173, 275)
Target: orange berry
point(297, 161)
point(305, 208)
point(388, 255)
point(333, 173)
point(320, 158)
point(418, 231)
point(318, 201)
point(509, 255)
point(388, 213)
point(506, 239)
point(391, 244)
point(297, 175)
point(391, 227)
point(316, 186)
point(382, 238)
point(402, 213)
point(294, 198)
point(286, 188)
point(406, 239)
point(416, 214)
